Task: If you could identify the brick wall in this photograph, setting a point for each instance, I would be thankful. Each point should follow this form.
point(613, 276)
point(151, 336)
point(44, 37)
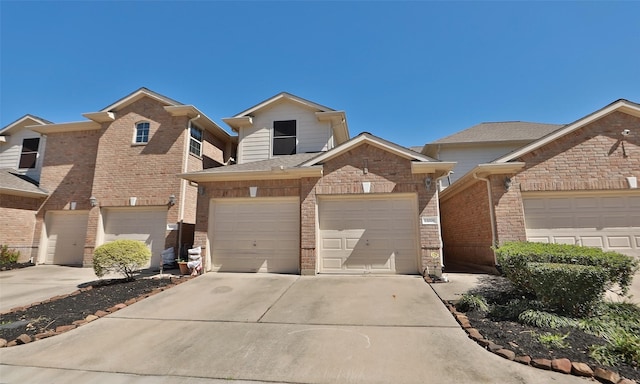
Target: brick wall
point(343, 174)
point(466, 227)
point(18, 220)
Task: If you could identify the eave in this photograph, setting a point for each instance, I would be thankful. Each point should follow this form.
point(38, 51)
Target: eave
point(440, 168)
point(20, 192)
point(273, 174)
point(100, 117)
point(203, 121)
point(480, 171)
point(238, 122)
point(65, 127)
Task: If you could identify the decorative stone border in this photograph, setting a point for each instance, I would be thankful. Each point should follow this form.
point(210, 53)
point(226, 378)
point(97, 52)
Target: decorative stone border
point(561, 365)
point(25, 339)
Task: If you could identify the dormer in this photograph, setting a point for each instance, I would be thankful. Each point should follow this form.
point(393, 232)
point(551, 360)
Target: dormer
point(287, 125)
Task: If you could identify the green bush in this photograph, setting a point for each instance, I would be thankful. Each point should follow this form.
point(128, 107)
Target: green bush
point(567, 288)
point(8, 256)
point(121, 256)
point(470, 302)
point(514, 256)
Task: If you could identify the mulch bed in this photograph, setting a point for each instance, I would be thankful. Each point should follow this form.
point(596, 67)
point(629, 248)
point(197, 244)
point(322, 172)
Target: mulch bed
point(522, 339)
point(100, 297)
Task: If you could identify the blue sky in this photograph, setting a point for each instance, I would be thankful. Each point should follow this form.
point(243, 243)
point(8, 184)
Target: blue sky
point(410, 72)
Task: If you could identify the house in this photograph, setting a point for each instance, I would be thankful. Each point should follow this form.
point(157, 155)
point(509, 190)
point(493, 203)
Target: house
point(21, 158)
point(577, 185)
point(483, 143)
point(113, 176)
point(306, 198)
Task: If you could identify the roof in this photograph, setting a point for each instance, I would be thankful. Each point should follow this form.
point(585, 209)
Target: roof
point(622, 105)
point(310, 164)
point(283, 96)
point(13, 183)
point(136, 95)
point(500, 132)
point(24, 121)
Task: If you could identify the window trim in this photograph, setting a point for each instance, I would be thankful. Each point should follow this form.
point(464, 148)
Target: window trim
point(29, 152)
point(274, 137)
point(135, 133)
point(192, 139)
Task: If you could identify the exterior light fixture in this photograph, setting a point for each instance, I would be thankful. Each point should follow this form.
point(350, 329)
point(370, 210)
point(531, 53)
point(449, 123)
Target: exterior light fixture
point(427, 182)
point(253, 191)
point(172, 200)
point(93, 201)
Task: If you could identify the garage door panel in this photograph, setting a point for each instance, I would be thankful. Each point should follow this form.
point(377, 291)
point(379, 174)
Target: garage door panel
point(368, 235)
point(609, 222)
point(66, 233)
point(257, 235)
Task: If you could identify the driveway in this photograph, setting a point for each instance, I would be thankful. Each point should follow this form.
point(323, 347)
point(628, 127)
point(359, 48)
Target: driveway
point(276, 329)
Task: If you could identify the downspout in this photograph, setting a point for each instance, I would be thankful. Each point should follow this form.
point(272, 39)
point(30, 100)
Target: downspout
point(437, 183)
point(492, 216)
point(183, 183)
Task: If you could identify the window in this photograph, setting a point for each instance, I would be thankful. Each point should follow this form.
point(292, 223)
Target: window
point(29, 154)
point(142, 133)
point(284, 137)
point(195, 143)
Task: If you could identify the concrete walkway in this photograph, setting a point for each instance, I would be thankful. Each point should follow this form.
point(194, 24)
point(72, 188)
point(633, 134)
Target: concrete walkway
point(276, 329)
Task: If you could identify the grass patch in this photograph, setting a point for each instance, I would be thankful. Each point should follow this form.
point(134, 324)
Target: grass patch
point(553, 340)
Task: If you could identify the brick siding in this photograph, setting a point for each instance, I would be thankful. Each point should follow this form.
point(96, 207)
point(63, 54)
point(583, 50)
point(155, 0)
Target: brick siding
point(18, 220)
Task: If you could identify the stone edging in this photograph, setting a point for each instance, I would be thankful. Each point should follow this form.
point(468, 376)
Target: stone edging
point(562, 365)
point(25, 339)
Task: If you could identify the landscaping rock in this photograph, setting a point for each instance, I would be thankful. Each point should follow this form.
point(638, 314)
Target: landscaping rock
point(474, 334)
point(23, 339)
point(3, 343)
point(542, 363)
point(130, 301)
point(65, 328)
point(101, 313)
point(581, 369)
point(506, 353)
point(12, 343)
point(606, 376)
point(561, 365)
point(79, 322)
point(91, 318)
point(493, 347)
point(526, 360)
point(626, 381)
point(44, 335)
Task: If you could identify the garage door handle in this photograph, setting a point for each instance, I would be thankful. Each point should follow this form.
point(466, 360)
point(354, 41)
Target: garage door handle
point(367, 242)
point(254, 243)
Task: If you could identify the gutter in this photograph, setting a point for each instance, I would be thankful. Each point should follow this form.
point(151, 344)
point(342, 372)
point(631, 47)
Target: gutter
point(491, 213)
point(183, 184)
point(437, 186)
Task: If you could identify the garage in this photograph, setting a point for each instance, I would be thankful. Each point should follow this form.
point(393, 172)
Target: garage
point(255, 235)
point(66, 233)
point(607, 221)
point(144, 224)
point(377, 235)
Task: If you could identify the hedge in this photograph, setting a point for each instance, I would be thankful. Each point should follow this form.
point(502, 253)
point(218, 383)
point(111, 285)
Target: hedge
point(121, 256)
point(513, 258)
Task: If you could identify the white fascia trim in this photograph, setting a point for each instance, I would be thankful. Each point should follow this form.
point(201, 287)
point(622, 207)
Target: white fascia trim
point(65, 127)
point(432, 167)
point(20, 192)
point(100, 117)
point(191, 112)
point(338, 121)
point(136, 96)
point(283, 95)
point(3, 139)
point(480, 171)
point(21, 120)
point(621, 105)
point(238, 122)
point(274, 174)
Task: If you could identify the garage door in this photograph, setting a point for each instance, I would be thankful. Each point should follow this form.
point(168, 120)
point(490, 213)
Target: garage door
point(66, 233)
point(143, 224)
point(255, 235)
point(608, 222)
point(372, 235)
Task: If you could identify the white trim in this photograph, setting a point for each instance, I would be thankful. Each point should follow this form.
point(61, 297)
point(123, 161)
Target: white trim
point(74, 126)
point(135, 132)
point(137, 95)
point(622, 105)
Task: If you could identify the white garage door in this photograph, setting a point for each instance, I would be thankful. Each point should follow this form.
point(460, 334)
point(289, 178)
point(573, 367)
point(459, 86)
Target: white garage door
point(255, 235)
point(133, 223)
point(608, 222)
point(66, 233)
point(368, 235)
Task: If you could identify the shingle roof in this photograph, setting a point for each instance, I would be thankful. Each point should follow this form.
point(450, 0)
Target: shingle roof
point(290, 161)
point(11, 180)
point(500, 131)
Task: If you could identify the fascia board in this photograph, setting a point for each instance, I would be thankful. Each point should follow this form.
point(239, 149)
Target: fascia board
point(20, 192)
point(432, 167)
point(100, 117)
point(65, 127)
point(275, 174)
point(481, 170)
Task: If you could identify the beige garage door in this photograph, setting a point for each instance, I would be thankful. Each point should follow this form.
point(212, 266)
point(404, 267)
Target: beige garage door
point(66, 233)
point(144, 224)
point(606, 221)
point(255, 235)
point(368, 235)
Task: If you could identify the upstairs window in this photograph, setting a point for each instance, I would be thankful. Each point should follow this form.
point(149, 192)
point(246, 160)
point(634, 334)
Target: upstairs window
point(29, 154)
point(195, 143)
point(284, 137)
point(142, 133)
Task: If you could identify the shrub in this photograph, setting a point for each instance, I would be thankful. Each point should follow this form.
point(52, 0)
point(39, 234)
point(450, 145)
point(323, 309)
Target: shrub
point(543, 319)
point(472, 303)
point(622, 346)
point(8, 256)
point(553, 340)
point(121, 256)
point(514, 256)
point(567, 288)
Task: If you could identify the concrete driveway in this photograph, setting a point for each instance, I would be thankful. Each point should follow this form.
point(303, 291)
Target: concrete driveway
point(272, 328)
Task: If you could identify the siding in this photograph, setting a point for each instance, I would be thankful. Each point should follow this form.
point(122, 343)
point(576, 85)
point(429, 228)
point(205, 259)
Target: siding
point(11, 150)
point(312, 135)
point(470, 156)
